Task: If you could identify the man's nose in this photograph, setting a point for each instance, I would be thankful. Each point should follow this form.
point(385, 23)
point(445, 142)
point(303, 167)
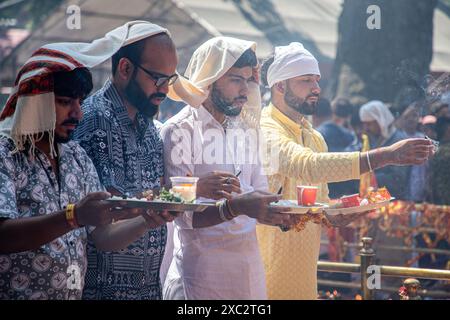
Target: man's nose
point(244, 89)
point(316, 89)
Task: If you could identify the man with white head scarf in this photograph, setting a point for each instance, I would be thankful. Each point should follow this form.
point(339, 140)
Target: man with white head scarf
point(50, 188)
point(290, 258)
point(378, 124)
point(215, 252)
point(376, 111)
point(118, 134)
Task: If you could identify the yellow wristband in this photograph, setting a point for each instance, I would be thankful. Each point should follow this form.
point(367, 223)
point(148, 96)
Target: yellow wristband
point(70, 216)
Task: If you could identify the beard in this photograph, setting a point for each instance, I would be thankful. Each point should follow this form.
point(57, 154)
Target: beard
point(224, 104)
point(61, 139)
point(298, 104)
point(137, 97)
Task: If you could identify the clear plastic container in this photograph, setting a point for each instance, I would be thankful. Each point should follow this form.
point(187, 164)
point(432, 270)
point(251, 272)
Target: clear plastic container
point(186, 187)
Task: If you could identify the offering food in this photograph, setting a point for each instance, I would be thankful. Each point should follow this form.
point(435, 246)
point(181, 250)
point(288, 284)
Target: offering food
point(164, 196)
point(171, 200)
point(354, 204)
point(169, 196)
point(351, 201)
point(354, 200)
point(382, 194)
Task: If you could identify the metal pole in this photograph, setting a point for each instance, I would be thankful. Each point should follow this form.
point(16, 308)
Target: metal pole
point(399, 248)
point(338, 267)
point(367, 254)
point(415, 272)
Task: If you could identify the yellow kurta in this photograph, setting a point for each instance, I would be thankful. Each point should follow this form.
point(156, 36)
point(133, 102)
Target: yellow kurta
point(290, 258)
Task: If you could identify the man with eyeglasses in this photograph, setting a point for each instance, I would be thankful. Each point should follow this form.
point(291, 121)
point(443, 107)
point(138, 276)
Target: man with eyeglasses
point(119, 135)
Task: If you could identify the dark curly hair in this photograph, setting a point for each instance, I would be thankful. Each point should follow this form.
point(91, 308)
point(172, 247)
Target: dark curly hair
point(74, 84)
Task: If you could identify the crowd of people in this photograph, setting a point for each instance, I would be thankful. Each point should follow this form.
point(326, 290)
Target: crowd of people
point(65, 151)
point(343, 126)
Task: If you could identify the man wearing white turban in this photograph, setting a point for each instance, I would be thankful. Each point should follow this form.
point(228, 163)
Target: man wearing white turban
point(290, 258)
point(215, 252)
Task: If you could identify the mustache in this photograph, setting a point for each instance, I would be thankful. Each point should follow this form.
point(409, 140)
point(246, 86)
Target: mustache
point(241, 98)
point(157, 95)
point(71, 121)
point(315, 95)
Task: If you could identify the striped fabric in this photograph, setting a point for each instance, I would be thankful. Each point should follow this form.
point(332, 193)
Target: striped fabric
point(30, 108)
point(34, 78)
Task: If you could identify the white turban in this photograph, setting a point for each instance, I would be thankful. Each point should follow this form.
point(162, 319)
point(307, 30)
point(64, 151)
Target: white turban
point(377, 111)
point(208, 64)
point(291, 61)
point(30, 108)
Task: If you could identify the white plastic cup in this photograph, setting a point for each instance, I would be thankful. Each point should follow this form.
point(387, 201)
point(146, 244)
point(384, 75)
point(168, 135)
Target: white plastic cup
point(186, 187)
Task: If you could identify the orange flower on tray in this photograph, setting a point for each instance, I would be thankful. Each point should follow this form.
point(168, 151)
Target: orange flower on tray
point(382, 194)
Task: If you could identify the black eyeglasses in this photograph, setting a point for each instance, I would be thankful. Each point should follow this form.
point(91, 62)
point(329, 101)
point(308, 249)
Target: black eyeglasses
point(160, 79)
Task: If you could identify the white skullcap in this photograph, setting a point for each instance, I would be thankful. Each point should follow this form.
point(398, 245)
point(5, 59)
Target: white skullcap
point(291, 61)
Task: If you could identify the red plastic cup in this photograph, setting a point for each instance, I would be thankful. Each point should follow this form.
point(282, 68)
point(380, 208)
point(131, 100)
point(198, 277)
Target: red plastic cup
point(351, 200)
point(306, 195)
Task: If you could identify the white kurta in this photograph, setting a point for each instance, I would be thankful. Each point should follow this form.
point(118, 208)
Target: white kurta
point(221, 261)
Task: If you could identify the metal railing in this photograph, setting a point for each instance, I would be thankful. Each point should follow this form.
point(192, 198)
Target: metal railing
point(367, 255)
point(396, 248)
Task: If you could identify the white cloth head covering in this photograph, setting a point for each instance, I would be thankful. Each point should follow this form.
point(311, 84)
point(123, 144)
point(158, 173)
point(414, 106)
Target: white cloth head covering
point(377, 111)
point(291, 61)
point(30, 108)
point(208, 64)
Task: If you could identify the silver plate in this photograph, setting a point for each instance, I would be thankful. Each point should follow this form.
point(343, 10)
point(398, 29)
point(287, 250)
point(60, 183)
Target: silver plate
point(359, 209)
point(296, 209)
point(162, 205)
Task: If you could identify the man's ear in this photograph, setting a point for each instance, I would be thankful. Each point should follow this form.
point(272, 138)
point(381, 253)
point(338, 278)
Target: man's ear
point(125, 69)
point(280, 86)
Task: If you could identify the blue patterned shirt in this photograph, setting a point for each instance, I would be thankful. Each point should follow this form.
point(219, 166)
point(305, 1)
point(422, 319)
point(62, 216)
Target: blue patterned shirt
point(128, 158)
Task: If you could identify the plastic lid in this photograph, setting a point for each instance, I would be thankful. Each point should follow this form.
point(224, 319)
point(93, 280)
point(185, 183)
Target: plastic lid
point(178, 180)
